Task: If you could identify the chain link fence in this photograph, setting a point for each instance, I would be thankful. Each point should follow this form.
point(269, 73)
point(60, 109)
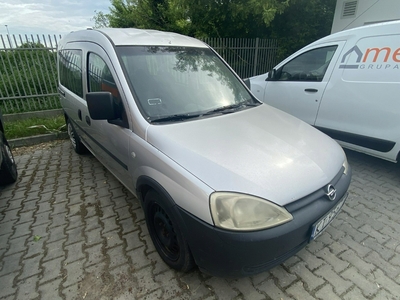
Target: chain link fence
point(28, 70)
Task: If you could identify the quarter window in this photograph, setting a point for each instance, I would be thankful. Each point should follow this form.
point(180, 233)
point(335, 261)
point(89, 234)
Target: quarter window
point(70, 70)
point(309, 66)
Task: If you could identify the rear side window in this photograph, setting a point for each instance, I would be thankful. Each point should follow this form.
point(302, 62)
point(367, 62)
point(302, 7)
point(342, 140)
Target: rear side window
point(309, 66)
point(70, 70)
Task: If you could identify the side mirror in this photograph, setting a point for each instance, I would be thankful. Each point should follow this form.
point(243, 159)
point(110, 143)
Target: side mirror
point(271, 75)
point(101, 106)
point(247, 83)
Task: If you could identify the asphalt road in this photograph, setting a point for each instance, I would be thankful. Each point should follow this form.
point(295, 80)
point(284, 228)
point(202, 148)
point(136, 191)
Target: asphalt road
point(69, 230)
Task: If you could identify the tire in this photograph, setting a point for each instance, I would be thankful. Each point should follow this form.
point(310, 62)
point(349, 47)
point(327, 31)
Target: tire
point(75, 140)
point(8, 169)
point(166, 234)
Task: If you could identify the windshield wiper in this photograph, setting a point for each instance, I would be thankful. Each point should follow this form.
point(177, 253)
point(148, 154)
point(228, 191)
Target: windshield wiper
point(178, 117)
point(231, 108)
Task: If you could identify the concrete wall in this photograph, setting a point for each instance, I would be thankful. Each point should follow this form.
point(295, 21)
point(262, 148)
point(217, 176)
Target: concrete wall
point(366, 12)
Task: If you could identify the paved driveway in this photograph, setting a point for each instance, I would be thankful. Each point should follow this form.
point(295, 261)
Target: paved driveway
point(69, 230)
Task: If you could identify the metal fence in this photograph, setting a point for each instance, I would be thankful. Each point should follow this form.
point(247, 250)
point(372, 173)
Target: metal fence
point(248, 57)
point(28, 71)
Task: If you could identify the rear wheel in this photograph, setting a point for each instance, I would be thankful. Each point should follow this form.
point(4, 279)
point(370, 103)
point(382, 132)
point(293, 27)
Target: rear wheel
point(75, 140)
point(8, 169)
point(166, 234)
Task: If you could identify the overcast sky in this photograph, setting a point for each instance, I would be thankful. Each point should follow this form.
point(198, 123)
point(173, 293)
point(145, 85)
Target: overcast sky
point(48, 16)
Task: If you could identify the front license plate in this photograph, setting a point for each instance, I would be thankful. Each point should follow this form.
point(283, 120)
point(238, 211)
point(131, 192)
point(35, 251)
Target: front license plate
point(321, 225)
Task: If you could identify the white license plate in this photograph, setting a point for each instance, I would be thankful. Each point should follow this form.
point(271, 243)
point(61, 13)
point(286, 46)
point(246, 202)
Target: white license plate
point(321, 225)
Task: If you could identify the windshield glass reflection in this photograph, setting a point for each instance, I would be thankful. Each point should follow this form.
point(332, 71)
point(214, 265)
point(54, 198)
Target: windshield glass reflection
point(178, 81)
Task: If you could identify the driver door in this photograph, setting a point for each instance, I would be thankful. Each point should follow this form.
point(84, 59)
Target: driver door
point(299, 83)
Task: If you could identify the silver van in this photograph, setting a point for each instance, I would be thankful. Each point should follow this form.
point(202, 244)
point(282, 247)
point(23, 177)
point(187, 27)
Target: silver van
point(226, 182)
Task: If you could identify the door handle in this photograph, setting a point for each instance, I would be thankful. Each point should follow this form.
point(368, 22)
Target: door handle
point(61, 91)
point(311, 90)
point(80, 114)
point(87, 120)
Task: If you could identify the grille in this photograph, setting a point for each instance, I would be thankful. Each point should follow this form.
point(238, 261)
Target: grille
point(349, 9)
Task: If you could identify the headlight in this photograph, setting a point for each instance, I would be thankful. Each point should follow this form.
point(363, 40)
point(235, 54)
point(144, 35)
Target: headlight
point(346, 166)
point(242, 212)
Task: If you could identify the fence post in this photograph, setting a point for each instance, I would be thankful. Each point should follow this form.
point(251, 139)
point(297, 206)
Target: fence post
point(256, 57)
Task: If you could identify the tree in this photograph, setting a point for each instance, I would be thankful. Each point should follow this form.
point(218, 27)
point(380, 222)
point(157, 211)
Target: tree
point(234, 18)
point(303, 22)
point(295, 23)
point(167, 15)
point(200, 18)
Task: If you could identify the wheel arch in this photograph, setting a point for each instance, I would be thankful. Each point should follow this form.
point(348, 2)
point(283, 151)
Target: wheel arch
point(66, 117)
point(145, 183)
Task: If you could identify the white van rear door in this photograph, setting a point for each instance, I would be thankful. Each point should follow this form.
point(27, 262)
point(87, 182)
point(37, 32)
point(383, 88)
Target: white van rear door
point(299, 83)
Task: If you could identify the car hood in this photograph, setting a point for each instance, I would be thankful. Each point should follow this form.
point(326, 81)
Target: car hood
point(260, 151)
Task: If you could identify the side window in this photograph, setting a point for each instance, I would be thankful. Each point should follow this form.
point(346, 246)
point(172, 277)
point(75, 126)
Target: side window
point(309, 66)
point(70, 70)
point(100, 79)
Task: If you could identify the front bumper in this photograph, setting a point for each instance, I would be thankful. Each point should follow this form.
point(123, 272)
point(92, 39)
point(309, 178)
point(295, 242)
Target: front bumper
point(236, 254)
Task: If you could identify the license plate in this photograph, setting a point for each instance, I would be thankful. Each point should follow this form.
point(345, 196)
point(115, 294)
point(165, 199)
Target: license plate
point(321, 225)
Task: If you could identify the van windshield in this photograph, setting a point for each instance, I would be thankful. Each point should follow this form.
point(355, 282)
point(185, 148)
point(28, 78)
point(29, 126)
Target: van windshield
point(181, 83)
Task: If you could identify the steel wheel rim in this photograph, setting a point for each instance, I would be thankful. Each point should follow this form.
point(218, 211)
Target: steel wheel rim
point(164, 233)
point(71, 135)
point(9, 154)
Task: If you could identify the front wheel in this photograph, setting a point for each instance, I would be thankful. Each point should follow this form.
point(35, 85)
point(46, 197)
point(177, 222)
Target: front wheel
point(8, 168)
point(75, 140)
point(166, 234)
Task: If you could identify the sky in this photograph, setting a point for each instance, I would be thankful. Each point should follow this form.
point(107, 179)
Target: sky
point(48, 16)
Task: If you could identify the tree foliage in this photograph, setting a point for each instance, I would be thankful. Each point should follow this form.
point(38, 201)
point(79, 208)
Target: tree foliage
point(294, 23)
point(235, 18)
point(303, 22)
point(200, 18)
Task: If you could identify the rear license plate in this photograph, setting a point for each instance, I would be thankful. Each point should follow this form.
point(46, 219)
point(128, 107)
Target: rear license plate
point(321, 225)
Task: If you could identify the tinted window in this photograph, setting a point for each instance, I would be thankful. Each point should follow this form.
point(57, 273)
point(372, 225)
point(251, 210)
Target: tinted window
point(309, 66)
point(70, 70)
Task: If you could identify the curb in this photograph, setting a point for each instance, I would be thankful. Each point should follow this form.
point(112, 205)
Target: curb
point(37, 139)
point(35, 114)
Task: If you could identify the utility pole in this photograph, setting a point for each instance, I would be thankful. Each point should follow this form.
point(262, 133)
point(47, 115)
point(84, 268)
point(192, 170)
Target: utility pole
point(8, 36)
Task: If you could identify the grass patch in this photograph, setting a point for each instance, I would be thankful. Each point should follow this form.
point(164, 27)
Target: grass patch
point(34, 126)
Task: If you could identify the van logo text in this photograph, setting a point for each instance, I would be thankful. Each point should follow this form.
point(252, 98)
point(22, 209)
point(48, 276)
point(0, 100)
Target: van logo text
point(371, 55)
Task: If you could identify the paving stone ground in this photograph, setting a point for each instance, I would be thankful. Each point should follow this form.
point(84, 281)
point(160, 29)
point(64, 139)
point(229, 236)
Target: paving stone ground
point(69, 230)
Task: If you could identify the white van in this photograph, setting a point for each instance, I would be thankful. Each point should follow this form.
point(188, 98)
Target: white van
point(220, 175)
point(347, 85)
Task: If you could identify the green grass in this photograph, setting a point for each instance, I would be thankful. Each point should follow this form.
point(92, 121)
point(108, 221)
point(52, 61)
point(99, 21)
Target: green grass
point(34, 126)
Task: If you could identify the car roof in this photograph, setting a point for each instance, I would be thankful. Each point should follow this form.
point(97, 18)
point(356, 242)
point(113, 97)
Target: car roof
point(378, 29)
point(134, 36)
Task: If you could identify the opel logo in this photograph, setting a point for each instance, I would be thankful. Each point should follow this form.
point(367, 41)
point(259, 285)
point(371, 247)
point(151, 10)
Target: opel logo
point(331, 192)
